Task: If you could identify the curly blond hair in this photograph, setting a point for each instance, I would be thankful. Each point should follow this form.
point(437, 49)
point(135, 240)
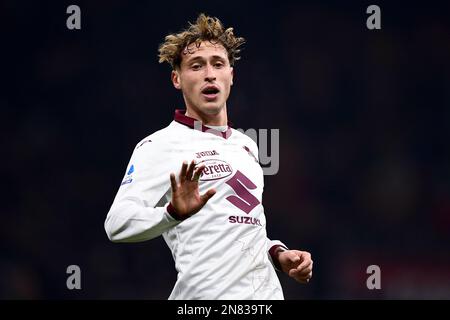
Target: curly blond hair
point(205, 29)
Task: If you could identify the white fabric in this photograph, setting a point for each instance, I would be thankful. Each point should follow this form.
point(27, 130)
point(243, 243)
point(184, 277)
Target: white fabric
point(219, 128)
point(215, 258)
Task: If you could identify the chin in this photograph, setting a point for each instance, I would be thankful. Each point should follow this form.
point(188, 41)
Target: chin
point(211, 108)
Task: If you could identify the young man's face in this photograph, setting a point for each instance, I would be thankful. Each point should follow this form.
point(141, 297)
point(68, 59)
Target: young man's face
point(205, 77)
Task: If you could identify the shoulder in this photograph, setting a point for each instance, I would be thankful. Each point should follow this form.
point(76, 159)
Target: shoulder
point(247, 142)
point(245, 139)
point(158, 138)
point(155, 149)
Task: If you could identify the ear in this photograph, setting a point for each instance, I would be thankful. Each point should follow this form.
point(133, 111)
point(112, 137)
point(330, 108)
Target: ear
point(232, 74)
point(176, 79)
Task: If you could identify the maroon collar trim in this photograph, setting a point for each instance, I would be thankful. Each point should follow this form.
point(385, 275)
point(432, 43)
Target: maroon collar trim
point(180, 116)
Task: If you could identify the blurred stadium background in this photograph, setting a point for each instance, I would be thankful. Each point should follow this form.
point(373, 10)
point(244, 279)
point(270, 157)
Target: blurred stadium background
point(364, 119)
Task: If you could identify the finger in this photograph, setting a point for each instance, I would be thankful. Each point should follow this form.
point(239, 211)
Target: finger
point(198, 173)
point(294, 258)
point(208, 194)
point(299, 276)
point(190, 171)
point(300, 272)
point(183, 172)
point(304, 272)
point(295, 272)
point(305, 264)
point(301, 280)
point(173, 182)
point(306, 260)
point(304, 279)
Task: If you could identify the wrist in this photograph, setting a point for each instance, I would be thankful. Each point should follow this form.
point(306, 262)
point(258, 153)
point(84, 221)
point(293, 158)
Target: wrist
point(275, 252)
point(174, 214)
point(279, 250)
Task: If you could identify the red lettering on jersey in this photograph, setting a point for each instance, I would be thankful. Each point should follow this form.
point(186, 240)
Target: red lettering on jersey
point(244, 220)
point(244, 199)
point(206, 153)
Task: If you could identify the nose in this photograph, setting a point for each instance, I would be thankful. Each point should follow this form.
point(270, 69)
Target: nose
point(210, 75)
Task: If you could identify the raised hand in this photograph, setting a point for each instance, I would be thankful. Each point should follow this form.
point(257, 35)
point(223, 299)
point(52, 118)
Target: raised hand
point(186, 200)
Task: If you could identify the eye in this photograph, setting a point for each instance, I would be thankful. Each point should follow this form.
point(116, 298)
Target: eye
point(196, 66)
point(218, 64)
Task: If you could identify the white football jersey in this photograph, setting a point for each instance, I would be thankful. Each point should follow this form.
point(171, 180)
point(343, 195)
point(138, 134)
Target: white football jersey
point(222, 251)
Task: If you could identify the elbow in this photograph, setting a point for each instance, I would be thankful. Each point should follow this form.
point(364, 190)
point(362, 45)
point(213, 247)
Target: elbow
point(111, 236)
point(112, 232)
point(131, 224)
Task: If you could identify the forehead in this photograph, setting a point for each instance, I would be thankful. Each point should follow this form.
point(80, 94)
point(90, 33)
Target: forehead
point(205, 50)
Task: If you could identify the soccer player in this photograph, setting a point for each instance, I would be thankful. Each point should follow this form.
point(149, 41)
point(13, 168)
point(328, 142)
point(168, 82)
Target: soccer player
point(210, 214)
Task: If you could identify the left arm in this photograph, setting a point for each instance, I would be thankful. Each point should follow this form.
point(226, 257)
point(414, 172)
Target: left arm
point(295, 263)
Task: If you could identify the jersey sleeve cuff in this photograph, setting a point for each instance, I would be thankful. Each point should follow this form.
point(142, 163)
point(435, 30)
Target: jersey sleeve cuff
point(273, 253)
point(173, 213)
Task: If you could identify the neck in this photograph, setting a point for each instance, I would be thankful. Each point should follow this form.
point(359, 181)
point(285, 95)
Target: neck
point(218, 119)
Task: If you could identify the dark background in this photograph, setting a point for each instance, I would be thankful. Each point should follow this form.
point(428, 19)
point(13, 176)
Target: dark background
point(364, 132)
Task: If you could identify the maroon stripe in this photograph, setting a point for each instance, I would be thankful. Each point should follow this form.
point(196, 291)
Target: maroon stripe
point(273, 251)
point(181, 117)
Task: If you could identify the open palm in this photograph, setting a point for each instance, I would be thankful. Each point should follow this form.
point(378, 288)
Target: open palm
point(186, 199)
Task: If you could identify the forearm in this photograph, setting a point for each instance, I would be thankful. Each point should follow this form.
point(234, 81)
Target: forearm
point(129, 221)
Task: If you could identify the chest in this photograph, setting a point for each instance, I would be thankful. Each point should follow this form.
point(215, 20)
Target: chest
point(224, 159)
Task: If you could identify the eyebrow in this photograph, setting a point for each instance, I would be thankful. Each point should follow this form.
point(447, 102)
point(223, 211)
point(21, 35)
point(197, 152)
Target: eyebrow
point(214, 57)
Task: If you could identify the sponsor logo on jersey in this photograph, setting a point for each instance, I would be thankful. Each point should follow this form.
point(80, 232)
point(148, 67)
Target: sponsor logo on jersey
point(244, 220)
point(126, 181)
point(129, 177)
point(206, 154)
point(215, 169)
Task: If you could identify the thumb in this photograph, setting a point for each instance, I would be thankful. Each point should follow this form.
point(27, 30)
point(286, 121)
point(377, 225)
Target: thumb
point(208, 195)
point(293, 257)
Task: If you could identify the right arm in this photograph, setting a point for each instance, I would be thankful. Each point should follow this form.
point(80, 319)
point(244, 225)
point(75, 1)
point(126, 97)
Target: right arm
point(138, 212)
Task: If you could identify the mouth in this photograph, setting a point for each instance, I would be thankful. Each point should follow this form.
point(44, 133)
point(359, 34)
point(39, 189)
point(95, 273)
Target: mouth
point(210, 93)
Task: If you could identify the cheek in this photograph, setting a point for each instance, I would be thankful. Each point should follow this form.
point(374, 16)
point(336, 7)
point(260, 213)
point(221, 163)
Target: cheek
point(227, 83)
point(227, 79)
point(188, 84)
